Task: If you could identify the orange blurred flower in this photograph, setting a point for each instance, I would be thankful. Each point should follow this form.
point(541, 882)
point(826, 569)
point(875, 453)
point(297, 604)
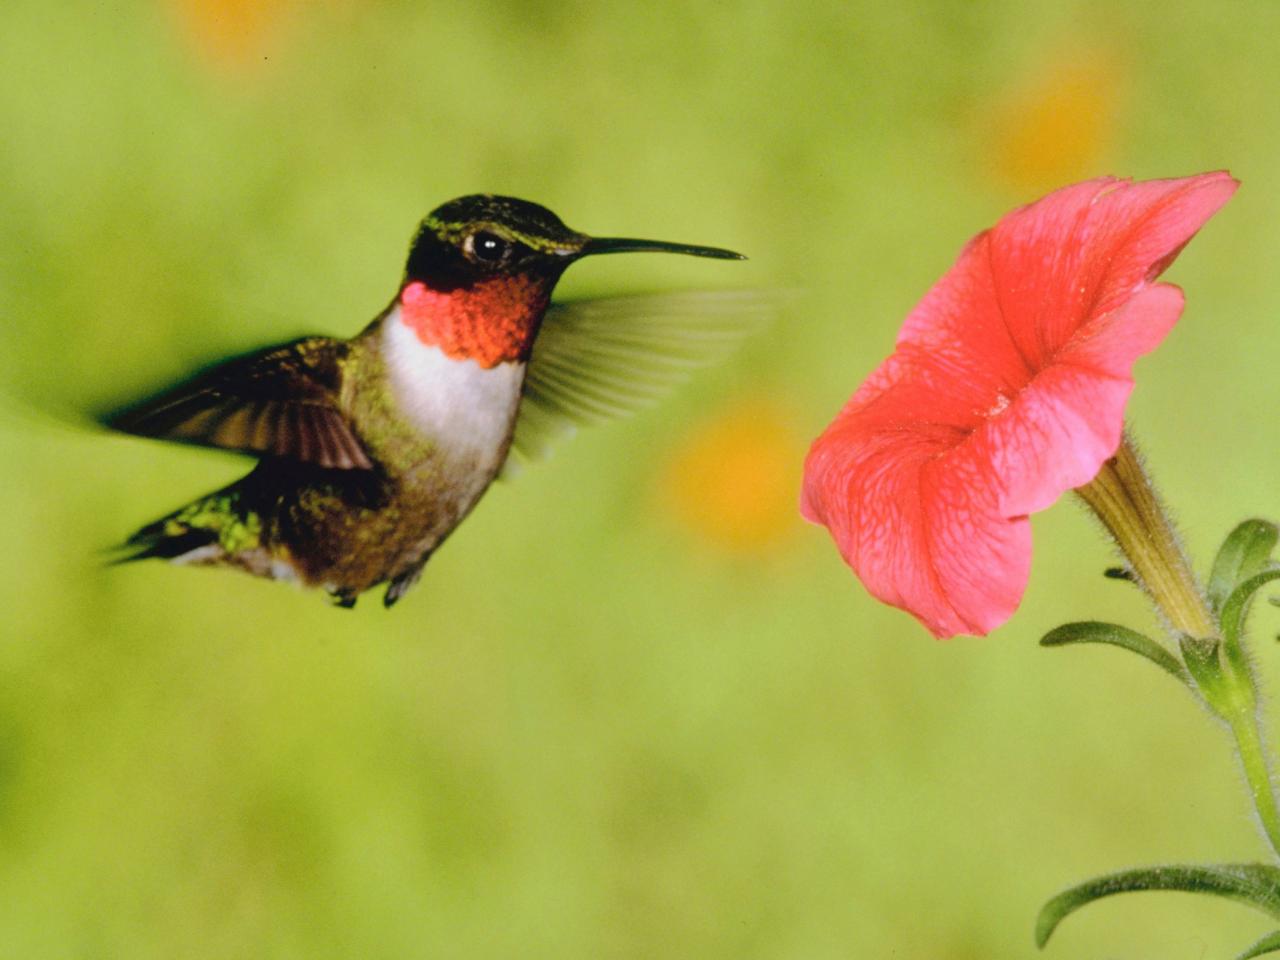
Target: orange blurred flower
point(733, 480)
point(1057, 123)
point(232, 34)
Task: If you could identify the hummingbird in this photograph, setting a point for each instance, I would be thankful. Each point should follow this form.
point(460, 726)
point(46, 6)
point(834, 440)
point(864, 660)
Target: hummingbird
point(371, 450)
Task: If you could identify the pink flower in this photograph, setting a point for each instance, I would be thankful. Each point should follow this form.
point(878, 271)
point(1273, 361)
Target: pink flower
point(1007, 387)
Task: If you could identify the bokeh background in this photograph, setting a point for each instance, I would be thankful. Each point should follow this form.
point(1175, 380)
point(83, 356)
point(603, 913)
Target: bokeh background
point(636, 708)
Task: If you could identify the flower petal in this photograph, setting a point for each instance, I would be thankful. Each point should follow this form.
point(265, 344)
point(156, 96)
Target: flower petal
point(1007, 388)
point(921, 528)
point(1068, 420)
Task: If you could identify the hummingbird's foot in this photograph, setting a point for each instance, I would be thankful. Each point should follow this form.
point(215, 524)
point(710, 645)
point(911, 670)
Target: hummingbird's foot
point(399, 585)
point(346, 599)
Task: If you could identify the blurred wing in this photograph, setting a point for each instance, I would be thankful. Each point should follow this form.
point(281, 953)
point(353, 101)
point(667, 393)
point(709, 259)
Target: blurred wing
point(281, 402)
point(596, 360)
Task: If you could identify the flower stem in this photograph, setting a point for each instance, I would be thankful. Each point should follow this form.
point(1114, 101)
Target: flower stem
point(1124, 500)
point(1122, 497)
point(1253, 757)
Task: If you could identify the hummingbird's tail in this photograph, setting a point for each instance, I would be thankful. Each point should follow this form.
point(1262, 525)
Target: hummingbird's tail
point(160, 541)
point(206, 531)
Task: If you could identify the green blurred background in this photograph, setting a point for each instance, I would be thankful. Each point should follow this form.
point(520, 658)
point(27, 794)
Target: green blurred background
point(636, 708)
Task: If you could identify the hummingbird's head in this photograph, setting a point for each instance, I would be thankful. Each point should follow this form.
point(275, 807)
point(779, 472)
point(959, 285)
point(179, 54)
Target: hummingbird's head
point(482, 267)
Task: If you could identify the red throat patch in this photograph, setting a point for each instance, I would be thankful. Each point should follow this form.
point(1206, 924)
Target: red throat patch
point(491, 322)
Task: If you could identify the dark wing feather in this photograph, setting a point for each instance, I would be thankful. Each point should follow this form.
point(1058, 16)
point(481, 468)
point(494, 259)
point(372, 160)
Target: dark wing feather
point(281, 402)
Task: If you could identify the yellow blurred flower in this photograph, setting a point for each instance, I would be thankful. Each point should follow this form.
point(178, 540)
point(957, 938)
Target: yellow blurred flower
point(1057, 123)
point(734, 480)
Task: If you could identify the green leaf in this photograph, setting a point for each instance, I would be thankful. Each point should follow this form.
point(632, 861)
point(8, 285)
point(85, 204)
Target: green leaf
point(1200, 654)
point(1255, 884)
point(1237, 604)
point(1268, 944)
point(1245, 552)
point(1093, 631)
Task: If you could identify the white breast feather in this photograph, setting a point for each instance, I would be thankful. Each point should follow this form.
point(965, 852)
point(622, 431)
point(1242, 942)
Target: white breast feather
point(464, 408)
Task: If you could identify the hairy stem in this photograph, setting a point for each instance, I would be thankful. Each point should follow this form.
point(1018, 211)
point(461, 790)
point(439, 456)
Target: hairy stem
point(1122, 497)
point(1124, 500)
point(1244, 727)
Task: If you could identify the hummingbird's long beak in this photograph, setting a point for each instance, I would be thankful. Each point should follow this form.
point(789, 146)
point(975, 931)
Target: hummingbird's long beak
point(624, 245)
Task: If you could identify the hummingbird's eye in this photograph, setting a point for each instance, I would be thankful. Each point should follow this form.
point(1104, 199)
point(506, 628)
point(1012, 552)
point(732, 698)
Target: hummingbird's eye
point(487, 247)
